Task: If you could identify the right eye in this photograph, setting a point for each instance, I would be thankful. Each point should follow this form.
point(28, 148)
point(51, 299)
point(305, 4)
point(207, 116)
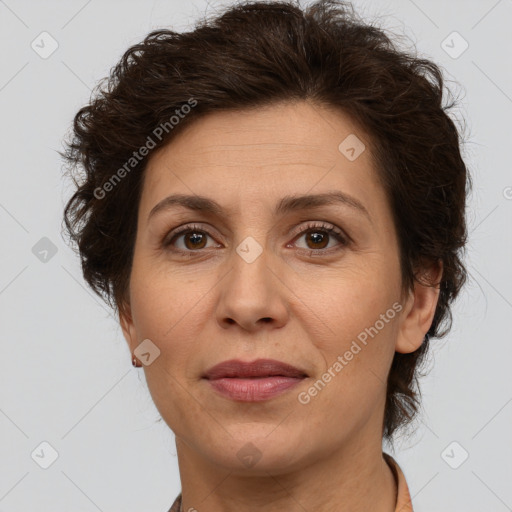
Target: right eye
point(194, 239)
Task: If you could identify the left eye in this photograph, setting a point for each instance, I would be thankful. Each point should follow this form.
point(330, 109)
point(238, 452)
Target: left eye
point(320, 237)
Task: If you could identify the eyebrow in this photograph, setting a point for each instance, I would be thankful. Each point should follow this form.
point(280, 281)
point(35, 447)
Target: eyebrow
point(285, 205)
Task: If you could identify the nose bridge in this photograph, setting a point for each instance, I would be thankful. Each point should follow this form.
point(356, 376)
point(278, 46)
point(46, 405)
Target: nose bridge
point(251, 267)
point(251, 291)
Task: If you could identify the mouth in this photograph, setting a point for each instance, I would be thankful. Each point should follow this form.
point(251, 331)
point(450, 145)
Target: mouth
point(253, 382)
point(261, 368)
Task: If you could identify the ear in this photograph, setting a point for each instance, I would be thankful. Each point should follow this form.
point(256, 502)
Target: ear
point(419, 309)
point(127, 325)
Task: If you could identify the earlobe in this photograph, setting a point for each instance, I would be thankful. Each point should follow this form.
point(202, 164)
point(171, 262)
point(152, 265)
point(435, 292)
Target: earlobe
point(419, 312)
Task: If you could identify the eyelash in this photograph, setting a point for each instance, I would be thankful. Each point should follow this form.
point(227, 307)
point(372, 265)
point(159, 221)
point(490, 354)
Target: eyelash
point(310, 227)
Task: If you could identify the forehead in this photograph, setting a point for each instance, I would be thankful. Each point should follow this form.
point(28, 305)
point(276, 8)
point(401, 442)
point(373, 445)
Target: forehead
point(262, 153)
point(311, 132)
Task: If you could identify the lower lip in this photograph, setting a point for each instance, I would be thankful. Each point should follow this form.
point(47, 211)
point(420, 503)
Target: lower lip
point(253, 390)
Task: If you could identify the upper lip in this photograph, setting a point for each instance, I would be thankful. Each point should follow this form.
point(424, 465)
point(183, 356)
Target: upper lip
point(258, 368)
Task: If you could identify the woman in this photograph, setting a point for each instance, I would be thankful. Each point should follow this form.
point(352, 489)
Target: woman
point(274, 205)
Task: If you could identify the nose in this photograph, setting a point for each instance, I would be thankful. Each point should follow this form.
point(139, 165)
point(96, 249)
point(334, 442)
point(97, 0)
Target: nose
point(253, 294)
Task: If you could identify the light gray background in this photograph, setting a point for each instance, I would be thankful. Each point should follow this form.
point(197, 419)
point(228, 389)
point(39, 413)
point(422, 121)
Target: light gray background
point(66, 374)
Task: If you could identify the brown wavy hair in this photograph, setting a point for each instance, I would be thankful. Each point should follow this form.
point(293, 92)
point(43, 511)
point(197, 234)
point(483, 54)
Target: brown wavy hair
point(259, 53)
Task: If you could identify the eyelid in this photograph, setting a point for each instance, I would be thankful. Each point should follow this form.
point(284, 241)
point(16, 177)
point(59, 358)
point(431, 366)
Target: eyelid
point(331, 229)
point(185, 228)
point(320, 225)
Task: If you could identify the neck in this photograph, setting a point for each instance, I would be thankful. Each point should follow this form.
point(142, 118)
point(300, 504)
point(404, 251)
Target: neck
point(354, 478)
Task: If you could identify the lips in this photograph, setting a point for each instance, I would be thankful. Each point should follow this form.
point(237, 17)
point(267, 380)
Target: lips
point(235, 368)
point(258, 381)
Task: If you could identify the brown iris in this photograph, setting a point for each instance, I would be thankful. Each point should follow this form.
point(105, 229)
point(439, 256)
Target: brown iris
point(195, 237)
point(315, 236)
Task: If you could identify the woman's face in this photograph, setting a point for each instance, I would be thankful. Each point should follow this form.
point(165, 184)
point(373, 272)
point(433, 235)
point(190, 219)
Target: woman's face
point(262, 278)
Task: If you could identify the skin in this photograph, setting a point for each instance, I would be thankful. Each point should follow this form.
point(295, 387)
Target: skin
point(294, 303)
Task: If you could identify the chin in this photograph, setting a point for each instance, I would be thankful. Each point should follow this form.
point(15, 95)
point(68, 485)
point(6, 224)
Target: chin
point(250, 453)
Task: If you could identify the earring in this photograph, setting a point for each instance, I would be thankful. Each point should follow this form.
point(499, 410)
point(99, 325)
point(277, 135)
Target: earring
point(135, 363)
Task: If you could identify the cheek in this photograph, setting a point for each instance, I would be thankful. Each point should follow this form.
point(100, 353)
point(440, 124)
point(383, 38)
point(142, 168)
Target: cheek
point(352, 387)
point(162, 301)
point(357, 345)
point(350, 302)
point(171, 310)
point(164, 310)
